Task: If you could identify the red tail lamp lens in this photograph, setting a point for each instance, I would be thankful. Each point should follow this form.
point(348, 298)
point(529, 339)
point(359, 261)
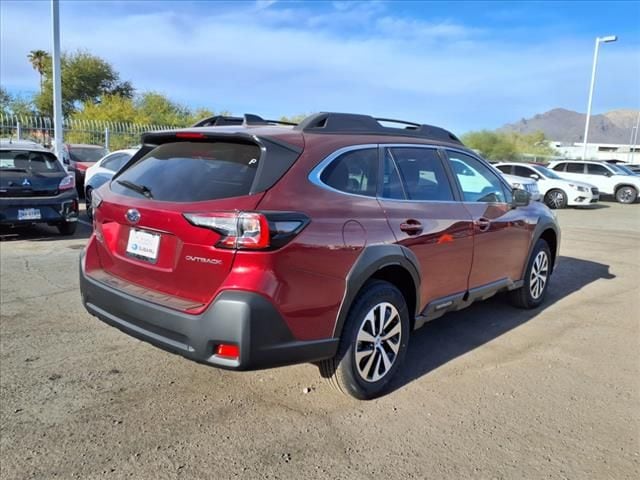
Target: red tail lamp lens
point(229, 351)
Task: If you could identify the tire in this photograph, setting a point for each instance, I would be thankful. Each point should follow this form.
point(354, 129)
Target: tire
point(67, 228)
point(87, 203)
point(536, 278)
point(556, 198)
point(626, 194)
point(352, 371)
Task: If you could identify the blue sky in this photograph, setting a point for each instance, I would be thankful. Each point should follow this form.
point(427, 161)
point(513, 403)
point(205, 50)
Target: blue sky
point(462, 65)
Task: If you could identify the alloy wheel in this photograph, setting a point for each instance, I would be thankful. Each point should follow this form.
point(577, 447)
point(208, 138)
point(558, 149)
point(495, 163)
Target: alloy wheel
point(625, 195)
point(378, 342)
point(556, 199)
point(539, 274)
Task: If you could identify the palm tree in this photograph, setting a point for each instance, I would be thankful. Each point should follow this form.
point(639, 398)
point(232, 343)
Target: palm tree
point(38, 59)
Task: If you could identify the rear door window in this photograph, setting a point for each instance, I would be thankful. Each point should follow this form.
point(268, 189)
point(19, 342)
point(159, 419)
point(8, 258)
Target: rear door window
point(504, 168)
point(421, 173)
point(354, 172)
point(192, 172)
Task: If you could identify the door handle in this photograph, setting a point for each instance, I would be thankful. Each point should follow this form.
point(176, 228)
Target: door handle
point(411, 227)
point(483, 224)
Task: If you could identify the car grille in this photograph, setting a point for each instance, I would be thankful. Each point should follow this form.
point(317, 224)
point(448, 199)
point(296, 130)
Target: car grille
point(531, 187)
point(27, 193)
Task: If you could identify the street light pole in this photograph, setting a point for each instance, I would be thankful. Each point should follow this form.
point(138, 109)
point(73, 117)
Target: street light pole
point(610, 38)
point(57, 82)
point(632, 147)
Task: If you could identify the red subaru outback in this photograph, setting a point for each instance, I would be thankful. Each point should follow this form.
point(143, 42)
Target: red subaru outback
point(258, 245)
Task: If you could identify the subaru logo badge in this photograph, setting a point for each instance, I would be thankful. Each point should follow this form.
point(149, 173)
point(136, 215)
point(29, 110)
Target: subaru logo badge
point(133, 215)
point(26, 183)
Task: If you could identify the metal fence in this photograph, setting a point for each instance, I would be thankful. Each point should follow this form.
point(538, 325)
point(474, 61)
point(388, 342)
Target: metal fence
point(113, 135)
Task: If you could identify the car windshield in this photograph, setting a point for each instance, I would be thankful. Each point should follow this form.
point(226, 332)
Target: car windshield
point(86, 154)
point(627, 170)
point(546, 172)
point(24, 160)
point(617, 169)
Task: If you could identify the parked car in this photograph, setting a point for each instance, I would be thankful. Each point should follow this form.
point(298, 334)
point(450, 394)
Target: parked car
point(35, 188)
point(608, 178)
point(522, 183)
point(634, 167)
point(556, 191)
point(257, 245)
point(79, 157)
point(101, 172)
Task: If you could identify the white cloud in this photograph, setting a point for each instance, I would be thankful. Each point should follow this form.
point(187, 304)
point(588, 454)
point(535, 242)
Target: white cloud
point(287, 59)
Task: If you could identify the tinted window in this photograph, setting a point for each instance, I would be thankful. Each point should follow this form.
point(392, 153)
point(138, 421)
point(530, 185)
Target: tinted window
point(38, 162)
point(593, 169)
point(86, 154)
point(575, 168)
point(477, 181)
point(504, 168)
point(115, 162)
point(559, 167)
point(520, 171)
point(421, 173)
point(354, 172)
point(192, 172)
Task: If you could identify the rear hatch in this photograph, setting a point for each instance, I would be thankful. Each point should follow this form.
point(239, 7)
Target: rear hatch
point(26, 173)
point(145, 223)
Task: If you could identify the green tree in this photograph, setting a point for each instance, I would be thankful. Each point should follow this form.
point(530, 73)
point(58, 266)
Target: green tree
point(15, 105)
point(5, 99)
point(39, 60)
point(86, 79)
point(508, 145)
point(294, 118)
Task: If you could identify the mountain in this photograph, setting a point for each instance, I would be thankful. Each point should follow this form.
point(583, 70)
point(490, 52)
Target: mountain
point(567, 126)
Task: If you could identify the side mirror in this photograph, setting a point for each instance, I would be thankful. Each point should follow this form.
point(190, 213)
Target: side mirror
point(65, 160)
point(521, 198)
point(535, 176)
point(609, 174)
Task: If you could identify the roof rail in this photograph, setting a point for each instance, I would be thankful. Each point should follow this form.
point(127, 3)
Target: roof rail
point(350, 123)
point(246, 119)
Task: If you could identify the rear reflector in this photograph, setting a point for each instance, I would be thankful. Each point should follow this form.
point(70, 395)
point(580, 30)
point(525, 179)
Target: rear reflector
point(229, 351)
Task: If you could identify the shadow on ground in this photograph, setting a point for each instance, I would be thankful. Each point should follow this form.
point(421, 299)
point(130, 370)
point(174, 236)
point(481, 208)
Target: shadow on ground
point(45, 233)
point(457, 333)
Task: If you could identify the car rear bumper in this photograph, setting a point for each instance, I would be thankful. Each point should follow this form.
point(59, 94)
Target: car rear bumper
point(235, 317)
point(57, 209)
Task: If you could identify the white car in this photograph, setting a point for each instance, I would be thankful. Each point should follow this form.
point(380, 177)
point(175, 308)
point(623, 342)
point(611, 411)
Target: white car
point(109, 164)
point(555, 191)
point(527, 184)
point(473, 181)
point(608, 178)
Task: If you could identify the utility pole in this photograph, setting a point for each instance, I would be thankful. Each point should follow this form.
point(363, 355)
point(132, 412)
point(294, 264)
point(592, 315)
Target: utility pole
point(599, 40)
point(634, 143)
point(57, 82)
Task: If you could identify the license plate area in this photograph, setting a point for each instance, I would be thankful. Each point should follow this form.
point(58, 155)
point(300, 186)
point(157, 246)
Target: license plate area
point(29, 214)
point(143, 245)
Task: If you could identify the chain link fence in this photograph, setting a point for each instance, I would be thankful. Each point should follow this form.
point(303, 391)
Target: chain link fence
point(113, 135)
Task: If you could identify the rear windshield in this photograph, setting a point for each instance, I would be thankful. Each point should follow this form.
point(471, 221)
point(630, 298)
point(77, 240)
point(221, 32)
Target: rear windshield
point(24, 161)
point(86, 154)
point(192, 172)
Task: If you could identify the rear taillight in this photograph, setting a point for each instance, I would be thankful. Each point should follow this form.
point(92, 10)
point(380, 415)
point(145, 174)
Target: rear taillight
point(251, 230)
point(67, 182)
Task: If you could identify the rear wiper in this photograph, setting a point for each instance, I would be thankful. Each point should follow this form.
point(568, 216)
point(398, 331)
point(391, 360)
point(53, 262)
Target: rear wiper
point(141, 189)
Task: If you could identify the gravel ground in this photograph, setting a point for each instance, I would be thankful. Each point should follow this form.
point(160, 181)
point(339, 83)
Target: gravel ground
point(489, 392)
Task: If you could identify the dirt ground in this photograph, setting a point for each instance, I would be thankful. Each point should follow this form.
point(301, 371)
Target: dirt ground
point(489, 392)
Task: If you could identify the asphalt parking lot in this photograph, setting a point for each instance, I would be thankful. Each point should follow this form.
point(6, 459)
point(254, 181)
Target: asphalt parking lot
point(489, 392)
